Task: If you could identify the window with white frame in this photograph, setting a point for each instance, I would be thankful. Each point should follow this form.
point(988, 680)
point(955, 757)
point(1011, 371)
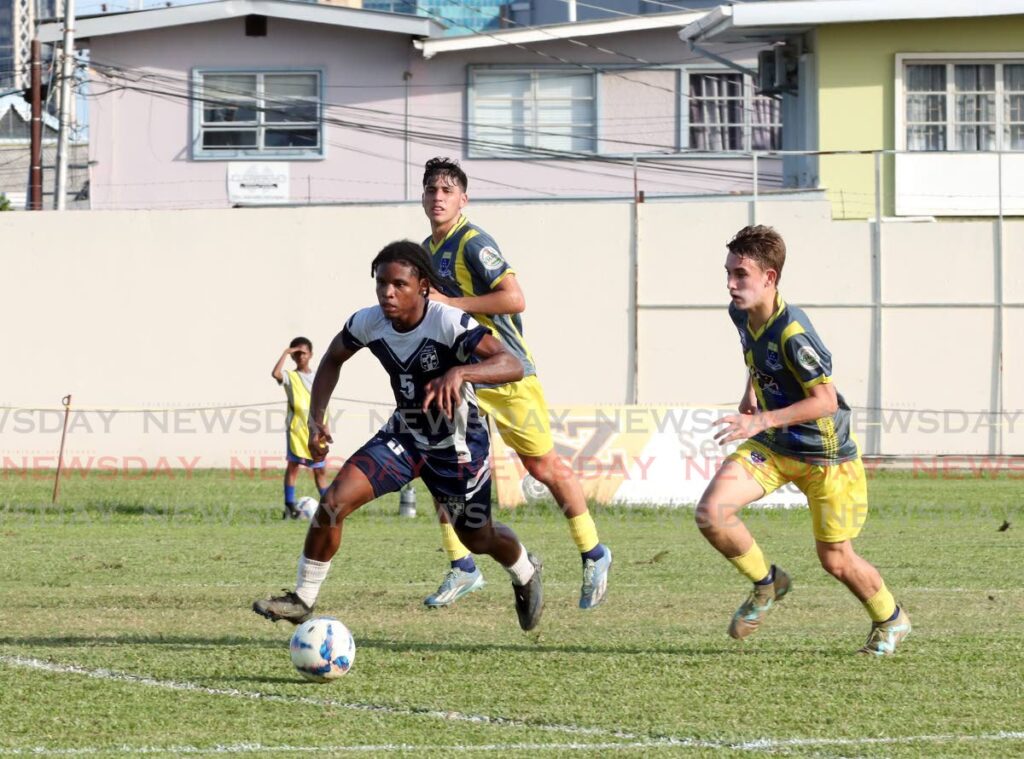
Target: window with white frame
point(523, 112)
point(726, 115)
point(257, 114)
point(964, 106)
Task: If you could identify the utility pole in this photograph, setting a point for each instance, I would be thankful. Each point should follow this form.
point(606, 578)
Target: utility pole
point(35, 177)
point(60, 191)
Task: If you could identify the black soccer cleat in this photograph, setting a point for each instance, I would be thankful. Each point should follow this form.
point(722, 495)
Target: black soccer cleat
point(288, 607)
point(530, 597)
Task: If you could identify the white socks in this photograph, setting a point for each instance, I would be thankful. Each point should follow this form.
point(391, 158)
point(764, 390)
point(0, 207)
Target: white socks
point(311, 576)
point(522, 570)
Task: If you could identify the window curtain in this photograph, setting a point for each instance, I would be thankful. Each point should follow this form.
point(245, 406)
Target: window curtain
point(926, 107)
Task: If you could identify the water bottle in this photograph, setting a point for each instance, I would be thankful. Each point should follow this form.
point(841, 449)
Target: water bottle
point(407, 502)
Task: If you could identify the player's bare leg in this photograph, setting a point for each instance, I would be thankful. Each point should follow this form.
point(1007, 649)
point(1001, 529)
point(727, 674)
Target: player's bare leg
point(559, 477)
point(717, 517)
point(350, 490)
point(291, 476)
point(500, 543)
point(321, 479)
point(889, 623)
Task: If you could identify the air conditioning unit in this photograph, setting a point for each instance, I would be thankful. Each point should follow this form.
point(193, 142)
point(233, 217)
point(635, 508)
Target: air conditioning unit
point(777, 70)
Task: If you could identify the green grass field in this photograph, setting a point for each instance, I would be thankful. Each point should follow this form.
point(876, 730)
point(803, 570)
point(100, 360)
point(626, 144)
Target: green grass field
point(125, 628)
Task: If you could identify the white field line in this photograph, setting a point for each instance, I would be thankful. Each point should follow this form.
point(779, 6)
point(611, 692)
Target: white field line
point(448, 716)
point(627, 740)
point(766, 745)
point(773, 744)
point(258, 748)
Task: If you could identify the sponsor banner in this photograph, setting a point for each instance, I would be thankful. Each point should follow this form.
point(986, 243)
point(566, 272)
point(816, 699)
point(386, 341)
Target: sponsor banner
point(642, 455)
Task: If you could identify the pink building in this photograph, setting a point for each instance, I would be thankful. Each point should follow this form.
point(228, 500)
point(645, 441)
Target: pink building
point(276, 101)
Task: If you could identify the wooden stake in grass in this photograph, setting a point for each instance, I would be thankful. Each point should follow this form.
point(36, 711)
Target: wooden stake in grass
point(66, 400)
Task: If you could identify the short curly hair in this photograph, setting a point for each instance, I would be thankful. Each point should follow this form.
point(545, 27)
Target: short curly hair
point(411, 254)
point(446, 168)
point(762, 244)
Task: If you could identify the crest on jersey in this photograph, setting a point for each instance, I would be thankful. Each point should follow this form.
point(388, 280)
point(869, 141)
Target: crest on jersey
point(772, 357)
point(428, 359)
point(765, 381)
point(491, 259)
point(454, 506)
point(444, 267)
point(808, 358)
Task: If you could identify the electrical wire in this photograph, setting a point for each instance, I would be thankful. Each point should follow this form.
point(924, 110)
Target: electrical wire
point(177, 87)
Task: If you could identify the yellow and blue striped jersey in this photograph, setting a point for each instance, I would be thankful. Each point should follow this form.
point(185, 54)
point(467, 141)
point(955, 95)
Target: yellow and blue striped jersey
point(786, 358)
point(470, 263)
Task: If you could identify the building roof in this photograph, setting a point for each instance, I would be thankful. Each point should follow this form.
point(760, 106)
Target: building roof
point(554, 32)
point(100, 25)
point(24, 110)
point(765, 20)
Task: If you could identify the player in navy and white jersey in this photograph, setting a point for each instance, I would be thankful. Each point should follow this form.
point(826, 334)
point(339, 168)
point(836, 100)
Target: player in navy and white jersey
point(433, 354)
point(444, 339)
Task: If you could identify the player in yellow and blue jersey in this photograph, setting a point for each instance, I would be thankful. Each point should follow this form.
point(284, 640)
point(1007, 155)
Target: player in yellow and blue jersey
point(478, 280)
point(797, 429)
point(297, 384)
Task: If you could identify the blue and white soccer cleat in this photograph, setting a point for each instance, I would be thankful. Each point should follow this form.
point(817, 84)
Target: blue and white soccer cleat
point(455, 585)
point(885, 636)
point(595, 580)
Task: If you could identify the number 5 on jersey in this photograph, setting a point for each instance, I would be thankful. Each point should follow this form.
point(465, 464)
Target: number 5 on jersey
point(408, 389)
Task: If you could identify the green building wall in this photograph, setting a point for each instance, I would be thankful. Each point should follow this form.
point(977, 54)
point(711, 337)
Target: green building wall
point(856, 69)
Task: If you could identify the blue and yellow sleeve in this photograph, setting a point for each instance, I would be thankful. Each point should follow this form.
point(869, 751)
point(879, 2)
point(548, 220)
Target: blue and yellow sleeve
point(485, 261)
point(806, 356)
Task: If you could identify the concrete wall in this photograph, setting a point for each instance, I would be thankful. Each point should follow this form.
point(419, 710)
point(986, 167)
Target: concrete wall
point(169, 311)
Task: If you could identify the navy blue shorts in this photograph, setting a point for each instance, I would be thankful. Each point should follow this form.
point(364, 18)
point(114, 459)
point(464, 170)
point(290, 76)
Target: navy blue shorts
point(390, 461)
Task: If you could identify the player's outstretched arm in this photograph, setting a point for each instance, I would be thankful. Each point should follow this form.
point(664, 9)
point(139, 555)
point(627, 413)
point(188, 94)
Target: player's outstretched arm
point(822, 401)
point(324, 382)
point(496, 367)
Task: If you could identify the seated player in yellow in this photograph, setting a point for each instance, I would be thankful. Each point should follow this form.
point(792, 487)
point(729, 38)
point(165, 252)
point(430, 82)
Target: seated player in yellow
point(297, 385)
point(480, 281)
point(797, 429)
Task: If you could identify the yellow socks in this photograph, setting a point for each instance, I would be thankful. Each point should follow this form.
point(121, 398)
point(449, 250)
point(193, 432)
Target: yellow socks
point(584, 532)
point(452, 545)
point(751, 564)
point(881, 606)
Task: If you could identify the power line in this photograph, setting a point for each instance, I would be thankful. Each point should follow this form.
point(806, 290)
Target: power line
point(446, 140)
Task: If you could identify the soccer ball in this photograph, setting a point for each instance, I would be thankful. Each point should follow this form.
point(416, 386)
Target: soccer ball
point(322, 649)
point(306, 507)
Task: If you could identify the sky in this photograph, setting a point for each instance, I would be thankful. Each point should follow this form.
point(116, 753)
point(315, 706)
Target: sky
point(89, 7)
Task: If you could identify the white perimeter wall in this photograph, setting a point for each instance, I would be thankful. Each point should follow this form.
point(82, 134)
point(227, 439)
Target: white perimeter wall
point(167, 310)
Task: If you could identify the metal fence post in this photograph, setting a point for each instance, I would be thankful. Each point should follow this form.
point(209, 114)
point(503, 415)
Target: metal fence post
point(996, 430)
point(753, 202)
point(633, 376)
point(874, 436)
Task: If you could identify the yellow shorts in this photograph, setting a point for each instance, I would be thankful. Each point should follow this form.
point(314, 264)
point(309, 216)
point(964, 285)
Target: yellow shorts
point(837, 495)
point(521, 415)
